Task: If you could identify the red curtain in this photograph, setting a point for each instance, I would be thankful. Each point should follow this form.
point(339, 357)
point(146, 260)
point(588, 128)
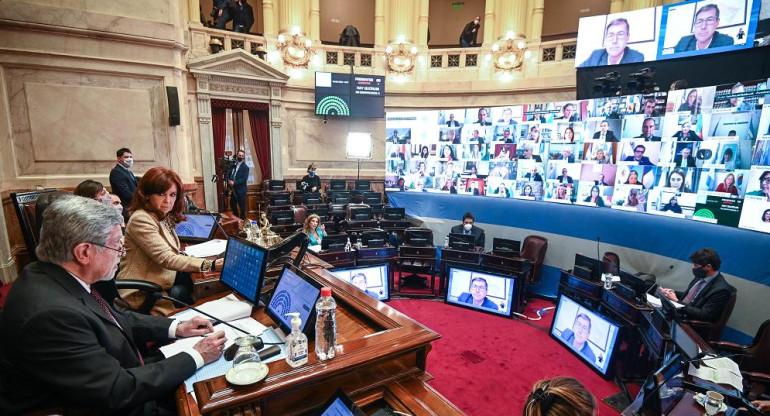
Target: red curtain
point(260, 135)
point(219, 126)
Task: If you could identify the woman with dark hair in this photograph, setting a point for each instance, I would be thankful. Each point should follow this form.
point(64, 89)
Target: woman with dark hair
point(448, 153)
point(633, 179)
point(691, 103)
point(424, 153)
point(728, 160)
point(527, 191)
point(91, 190)
point(559, 396)
point(728, 185)
point(595, 197)
point(152, 245)
point(673, 206)
point(569, 135)
point(764, 186)
point(676, 180)
point(766, 216)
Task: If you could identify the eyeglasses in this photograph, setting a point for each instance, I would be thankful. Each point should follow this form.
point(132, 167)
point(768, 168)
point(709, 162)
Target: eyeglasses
point(121, 250)
point(478, 287)
point(618, 35)
point(710, 21)
point(580, 327)
point(764, 180)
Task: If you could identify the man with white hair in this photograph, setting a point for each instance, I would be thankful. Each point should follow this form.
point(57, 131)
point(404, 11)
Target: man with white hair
point(64, 345)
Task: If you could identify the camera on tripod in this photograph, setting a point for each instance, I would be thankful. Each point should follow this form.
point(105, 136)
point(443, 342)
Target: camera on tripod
point(225, 164)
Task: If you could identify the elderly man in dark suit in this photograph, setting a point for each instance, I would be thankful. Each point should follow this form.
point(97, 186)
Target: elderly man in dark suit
point(468, 228)
point(707, 294)
point(64, 345)
point(122, 180)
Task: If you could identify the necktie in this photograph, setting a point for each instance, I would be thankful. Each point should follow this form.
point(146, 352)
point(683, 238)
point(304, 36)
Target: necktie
point(694, 291)
point(103, 304)
point(602, 137)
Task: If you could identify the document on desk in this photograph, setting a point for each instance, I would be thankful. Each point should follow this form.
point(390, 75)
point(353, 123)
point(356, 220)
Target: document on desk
point(721, 370)
point(220, 367)
point(210, 248)
point(228, 308)
point(654, 301)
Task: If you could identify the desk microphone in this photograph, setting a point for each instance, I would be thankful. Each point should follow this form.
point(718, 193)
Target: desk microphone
point(218, 224)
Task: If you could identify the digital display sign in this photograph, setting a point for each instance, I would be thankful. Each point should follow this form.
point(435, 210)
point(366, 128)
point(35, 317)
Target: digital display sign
point(349, 95)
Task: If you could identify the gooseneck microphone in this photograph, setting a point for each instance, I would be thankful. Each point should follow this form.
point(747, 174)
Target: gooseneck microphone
point(159, 295)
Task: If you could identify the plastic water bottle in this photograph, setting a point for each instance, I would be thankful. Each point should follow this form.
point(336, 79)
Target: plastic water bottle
point(254, 231)
point(348, 246)
point(325, 325)
point(446, 242)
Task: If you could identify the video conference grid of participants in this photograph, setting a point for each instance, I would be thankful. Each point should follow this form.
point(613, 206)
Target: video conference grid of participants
point(672, 31)
point(699, 153)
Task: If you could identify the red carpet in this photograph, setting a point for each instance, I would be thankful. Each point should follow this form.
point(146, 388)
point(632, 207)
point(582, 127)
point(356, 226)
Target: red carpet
point(486, 365)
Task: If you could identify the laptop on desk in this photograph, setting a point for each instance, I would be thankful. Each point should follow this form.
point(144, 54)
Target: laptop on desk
point(198, 228)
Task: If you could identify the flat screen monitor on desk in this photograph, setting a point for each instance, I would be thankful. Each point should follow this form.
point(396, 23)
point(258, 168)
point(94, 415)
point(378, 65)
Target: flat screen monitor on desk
point(360, 213)
point(244, 268)
point(586, 333)
point(334, 242)
point(341, 197)
point(460, 241)
point(295, 291)
point(372, 198)
point(312, 198)
point(276, 185)
point(394, 213)
point(660, 392)
point(339, 405)
point(282, 217)
point(363, 185)
point(322, 212)
point(635, 283)
point(486, 292)
point(418, 237)
point(587, 267)
point(372, 280)
point(374, 237)
point(337, 184)
point(197, 228)
point(684, 342)
point(505, 247)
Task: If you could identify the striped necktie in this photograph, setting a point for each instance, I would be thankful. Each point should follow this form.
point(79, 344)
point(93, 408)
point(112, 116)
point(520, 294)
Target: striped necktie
point(103, 304)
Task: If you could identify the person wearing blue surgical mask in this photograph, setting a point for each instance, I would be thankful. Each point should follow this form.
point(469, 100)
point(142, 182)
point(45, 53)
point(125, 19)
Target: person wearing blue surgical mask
point(311, 182)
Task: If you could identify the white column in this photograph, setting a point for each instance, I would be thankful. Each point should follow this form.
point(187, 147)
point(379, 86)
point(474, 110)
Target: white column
point(276, 146)
point(379, 23)
point(315, 20)
point(207, 141)
point(268, 15)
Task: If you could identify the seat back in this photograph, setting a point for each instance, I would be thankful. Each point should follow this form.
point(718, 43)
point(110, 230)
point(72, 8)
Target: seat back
point(611, 263)
point(300, 214)
point(25, 203)
point(352, 207)
point(758, 360)
point(534, 249)
point(715, 333)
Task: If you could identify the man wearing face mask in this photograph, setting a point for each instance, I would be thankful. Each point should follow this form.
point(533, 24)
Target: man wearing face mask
point(470, 33)
point(122, 180)
point(311, 182)
point(707, 294)
point(237, 182)
point(468, 228)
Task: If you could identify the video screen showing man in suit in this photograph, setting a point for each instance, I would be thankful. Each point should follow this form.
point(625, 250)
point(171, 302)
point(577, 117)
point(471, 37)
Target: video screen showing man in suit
point(704, 32)
point(478, 294)
point(615, 49)
point(577, 337)
point(468, 228)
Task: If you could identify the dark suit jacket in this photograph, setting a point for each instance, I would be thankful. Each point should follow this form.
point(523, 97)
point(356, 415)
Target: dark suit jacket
point(645, 160)
point(610, 137)
point(123, 184)
point(243, 15)
point(477, 233)
point(652, 138)
point(710, 302)
point(561, 177)
point(687, 43)
point(466, 297)
point(599, 58)
point(690, 161)
point(240, 178)
point(58, 347)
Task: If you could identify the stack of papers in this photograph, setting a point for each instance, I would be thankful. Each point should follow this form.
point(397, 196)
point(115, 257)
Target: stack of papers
point(720, 370)
point(654, 301)
point(220, 367)
point(228, 308)
point(210, 248)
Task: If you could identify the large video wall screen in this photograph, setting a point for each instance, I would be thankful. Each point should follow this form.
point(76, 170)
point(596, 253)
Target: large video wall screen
point(700, 154)
point(665, 32)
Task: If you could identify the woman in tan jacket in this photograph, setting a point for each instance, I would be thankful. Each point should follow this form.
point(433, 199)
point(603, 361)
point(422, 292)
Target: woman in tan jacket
point(152, 246)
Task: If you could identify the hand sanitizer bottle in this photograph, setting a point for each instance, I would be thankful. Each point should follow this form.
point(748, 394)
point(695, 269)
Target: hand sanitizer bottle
point(296, 343)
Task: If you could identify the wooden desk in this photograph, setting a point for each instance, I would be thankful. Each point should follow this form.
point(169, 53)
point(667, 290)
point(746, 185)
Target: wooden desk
point(455, 257)
point(582, 289)
point(416, 260)
point(339, 258)
point(380, 353)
